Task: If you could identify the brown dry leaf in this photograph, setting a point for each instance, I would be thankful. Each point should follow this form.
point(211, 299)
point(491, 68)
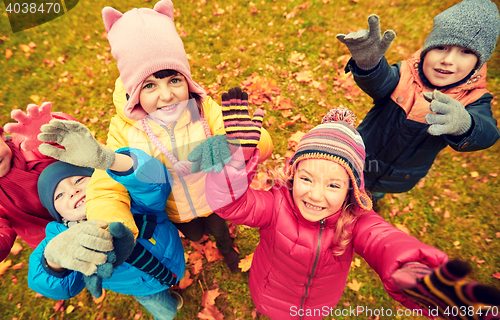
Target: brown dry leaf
point(58, 305)
point(18, 266)
point(354, 285)
point(402, 228)
point(296, 57)
point(304, 76)
point(197, 267)
point(293, 141)
point(87, 38)
point(4, 265)
point(210, 313)
point(246, 263)
point(195, 256)
point(303, 6)
point(211, 252)
point(94, 120)
point(16, 248)
point(186, 281)
point(209, 296)
point(285, 104)
point(292, 14)
point(321, 86)
point(183, 33)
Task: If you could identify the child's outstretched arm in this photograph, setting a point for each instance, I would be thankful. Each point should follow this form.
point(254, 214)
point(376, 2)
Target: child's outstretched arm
point(28, 125)
point(445, 292)
point(81, 148)
point(367, 47)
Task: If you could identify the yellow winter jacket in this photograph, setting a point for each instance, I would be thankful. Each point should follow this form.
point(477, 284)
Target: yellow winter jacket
point(108, 200)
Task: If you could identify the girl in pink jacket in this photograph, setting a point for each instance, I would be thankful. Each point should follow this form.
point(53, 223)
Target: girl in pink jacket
point(313, 222)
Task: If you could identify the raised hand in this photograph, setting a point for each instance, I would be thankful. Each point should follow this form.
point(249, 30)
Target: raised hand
point(29, 123)
point(445, 291)
point(242, 132)
point(81, 149)
point(367, 47)
point(82, 247)
point(449, 117)
point(210, 155)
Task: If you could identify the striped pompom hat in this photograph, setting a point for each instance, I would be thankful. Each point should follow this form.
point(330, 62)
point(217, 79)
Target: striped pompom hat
point(335, 139)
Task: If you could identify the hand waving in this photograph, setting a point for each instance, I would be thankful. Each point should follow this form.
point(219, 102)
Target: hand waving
point(242, 132)
point(446, 291)
point(367, 47)
point(81, 149)
point(29, 123)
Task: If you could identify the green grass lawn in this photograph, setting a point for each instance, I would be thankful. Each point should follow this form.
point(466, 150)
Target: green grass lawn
point(284, 51)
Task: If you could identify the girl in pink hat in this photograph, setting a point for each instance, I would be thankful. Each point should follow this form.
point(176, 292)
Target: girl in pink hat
point(164, 112)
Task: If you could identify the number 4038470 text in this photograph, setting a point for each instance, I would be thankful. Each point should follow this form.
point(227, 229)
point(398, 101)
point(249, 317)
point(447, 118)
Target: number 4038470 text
point(47, 7)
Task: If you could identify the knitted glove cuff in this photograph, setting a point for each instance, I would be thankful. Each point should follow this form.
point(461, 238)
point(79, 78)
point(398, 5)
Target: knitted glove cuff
point(368, 64)
point(464, 126)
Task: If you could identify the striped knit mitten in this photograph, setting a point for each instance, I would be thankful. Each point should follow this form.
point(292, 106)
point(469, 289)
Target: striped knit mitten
point(443, 292)
point(242, 132)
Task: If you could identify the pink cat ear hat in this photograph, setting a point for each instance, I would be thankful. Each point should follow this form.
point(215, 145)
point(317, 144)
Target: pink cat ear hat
point(144, 41)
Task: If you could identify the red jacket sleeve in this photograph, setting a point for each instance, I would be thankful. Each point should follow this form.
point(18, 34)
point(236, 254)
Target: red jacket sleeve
point(7, 235)
point(387, 249)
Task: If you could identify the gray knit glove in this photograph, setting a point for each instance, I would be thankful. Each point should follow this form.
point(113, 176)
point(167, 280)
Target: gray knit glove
point(82, 247)
point(81, 147)
point(450, 115)
point(367, 47)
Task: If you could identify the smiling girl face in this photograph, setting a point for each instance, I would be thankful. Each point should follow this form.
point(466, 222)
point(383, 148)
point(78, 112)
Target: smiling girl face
point(320, 188)
point(69, 198)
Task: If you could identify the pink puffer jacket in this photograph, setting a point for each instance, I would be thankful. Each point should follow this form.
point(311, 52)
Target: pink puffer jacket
point(293, 266)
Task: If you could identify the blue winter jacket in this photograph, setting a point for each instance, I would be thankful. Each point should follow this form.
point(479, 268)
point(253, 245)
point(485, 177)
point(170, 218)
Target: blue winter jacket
point(149, 184)
point(400, 151)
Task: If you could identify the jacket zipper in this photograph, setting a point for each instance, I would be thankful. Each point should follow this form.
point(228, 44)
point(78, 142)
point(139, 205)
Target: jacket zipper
point(176, 155)
point(322, 226)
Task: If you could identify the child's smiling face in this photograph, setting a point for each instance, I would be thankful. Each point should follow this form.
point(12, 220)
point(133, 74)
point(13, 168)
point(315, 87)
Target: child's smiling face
point(320, 188)
point(69, 198)
point(445, 65)
point(5, 156)
point(167, 97)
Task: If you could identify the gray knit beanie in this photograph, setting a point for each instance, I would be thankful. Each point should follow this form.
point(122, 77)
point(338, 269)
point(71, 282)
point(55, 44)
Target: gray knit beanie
point(471, 24)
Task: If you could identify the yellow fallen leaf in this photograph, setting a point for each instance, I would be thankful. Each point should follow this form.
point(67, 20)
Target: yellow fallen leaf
point(70, 309)
point(354, 285)
point(4, 265)
point(25, 48)
point(186, 281)
point(35, 97)
point(246, 263)
point(402, 228)
point(8, 54)
point(16, 248)
point(474, 174)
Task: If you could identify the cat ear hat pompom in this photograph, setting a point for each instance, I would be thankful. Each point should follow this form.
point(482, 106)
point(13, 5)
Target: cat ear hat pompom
point(335, 139)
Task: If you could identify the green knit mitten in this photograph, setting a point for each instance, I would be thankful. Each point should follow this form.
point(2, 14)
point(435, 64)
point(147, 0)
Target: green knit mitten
point(210, 155)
